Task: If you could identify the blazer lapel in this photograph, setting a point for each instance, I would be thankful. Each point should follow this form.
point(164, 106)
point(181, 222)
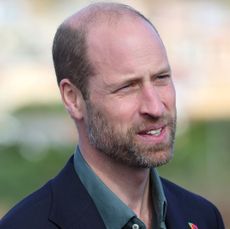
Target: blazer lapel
point(174, 215)
point(71, 206)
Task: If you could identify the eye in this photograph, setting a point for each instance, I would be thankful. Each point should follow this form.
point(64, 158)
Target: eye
point(130, 86)
point(165, 76)
point(162, 80)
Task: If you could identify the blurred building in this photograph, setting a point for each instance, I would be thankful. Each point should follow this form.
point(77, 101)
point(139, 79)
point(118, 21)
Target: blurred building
point(196, 34)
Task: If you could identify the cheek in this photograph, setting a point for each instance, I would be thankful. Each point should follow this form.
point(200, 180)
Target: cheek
point(122, 110)
point(168, 97)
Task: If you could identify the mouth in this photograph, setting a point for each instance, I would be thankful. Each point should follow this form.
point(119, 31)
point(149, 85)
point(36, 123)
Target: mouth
point(153, 135)
point(154, 132)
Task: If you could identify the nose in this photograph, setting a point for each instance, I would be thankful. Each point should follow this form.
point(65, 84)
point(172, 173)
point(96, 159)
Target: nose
point(151, 103)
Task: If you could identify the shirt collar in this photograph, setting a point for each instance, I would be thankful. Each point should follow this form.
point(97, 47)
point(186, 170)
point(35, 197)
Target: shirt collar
point(159, 200)
point(105, 200)
point(108, 203)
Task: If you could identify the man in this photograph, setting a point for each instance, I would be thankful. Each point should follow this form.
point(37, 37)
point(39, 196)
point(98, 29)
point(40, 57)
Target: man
point(115, 82)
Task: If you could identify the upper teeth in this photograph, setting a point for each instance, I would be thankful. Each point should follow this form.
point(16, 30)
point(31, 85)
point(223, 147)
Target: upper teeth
point(154, 132)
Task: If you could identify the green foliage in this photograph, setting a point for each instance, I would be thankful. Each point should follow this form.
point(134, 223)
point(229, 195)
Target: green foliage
point(201, 157)
point(19, 177)
point(40, 108)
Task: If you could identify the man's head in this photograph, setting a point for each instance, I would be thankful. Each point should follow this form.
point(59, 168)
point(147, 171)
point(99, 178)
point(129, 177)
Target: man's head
point(70, 46)
point(116, 82)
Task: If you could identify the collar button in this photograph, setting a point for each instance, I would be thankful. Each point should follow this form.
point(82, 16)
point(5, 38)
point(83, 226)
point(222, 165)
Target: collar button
point(135, 226)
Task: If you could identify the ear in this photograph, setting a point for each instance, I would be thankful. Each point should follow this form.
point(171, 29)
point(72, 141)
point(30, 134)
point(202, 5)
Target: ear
point(72, 99)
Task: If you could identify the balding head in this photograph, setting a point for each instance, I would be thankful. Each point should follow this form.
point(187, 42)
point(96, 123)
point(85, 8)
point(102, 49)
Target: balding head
point(70, 47)
point(102, 13)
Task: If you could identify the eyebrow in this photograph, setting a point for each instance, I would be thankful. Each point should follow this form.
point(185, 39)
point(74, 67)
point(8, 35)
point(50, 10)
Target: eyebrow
point(116, 85)
point(113, 87)
point(166, 70)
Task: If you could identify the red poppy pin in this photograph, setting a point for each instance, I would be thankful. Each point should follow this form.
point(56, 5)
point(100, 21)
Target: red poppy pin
point(192, 226)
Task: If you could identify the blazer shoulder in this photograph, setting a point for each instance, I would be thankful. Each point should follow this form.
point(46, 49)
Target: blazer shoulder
point(63, 202)
point(176, 192)
point(191, 205)
point(31, 211)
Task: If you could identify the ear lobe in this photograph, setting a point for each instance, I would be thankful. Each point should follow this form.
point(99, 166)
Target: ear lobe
point(72, 99)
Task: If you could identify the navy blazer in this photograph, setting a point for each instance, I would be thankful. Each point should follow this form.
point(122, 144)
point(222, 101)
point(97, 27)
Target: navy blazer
point(64, 203)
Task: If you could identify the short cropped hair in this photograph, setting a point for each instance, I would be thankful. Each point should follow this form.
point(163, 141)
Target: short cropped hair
point(70, 42)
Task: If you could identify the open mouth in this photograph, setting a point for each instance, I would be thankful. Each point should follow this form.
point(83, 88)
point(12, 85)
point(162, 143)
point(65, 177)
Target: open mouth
point(152, 132)
point(156, 132)
point(153, 135)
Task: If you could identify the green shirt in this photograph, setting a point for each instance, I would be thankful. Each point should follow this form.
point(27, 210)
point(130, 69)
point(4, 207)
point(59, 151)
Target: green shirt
point(113, 211)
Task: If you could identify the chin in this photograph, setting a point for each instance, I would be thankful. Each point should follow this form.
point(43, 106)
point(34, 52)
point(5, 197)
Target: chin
point(153, 159)
point(159, 158)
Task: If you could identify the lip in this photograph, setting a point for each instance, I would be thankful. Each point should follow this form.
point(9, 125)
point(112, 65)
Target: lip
point(153, 139)
point(152, 127)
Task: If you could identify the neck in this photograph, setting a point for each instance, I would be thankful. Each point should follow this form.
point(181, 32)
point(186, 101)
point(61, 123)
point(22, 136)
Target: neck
point(131, 185)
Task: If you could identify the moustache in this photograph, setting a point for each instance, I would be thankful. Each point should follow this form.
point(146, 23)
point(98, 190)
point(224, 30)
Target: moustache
point(153, 123)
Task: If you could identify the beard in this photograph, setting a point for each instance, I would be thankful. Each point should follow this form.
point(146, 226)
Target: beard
point(122, 147)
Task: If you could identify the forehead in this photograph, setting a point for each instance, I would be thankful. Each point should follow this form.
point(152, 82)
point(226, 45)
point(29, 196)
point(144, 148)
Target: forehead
point(127, 46)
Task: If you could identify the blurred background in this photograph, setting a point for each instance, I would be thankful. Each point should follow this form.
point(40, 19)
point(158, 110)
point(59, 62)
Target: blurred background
point(36, 134)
